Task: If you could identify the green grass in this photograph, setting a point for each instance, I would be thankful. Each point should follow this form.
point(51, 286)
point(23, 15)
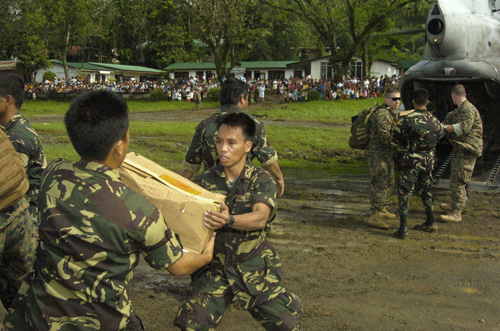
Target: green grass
point(60, 107)
point(338, 112)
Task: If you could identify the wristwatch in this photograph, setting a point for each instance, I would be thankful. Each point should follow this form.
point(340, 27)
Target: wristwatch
point(445, 127)
point(231, 221)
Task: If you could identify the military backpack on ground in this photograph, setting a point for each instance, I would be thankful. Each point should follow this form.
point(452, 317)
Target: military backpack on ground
point(360, 129)
point(13, 181)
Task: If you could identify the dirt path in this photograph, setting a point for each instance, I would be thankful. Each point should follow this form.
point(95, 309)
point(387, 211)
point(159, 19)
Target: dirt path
point(350, 276)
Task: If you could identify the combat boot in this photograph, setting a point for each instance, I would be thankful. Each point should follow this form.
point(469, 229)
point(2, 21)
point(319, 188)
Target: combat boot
point(402, 232)
point(429, 225)
point(385, 213)
point(445, 206)
point(376, 222)
point(453, 217)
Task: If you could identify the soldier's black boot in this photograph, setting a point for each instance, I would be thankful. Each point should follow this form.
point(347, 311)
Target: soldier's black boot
point(429, 225)
point(402, 232)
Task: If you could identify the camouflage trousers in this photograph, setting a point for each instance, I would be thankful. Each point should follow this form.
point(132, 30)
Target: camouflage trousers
point(212, 292)
point(17, 248)
point(462, 166)
point(381, 169)
point(414, 179)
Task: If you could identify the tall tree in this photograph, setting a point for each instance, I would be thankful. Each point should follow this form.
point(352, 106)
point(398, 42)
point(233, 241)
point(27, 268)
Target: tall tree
point(66, 24)
point(226, 27)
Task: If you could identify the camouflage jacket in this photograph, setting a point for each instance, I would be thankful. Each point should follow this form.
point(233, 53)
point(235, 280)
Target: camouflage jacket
point(382, 126)
point(471, 126)
point(247, 258)
point(420, 132)
point(93, 230)
point(29, 148)
point(203, 150)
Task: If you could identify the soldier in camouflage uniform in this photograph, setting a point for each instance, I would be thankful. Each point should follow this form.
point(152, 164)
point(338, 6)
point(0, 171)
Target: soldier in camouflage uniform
point(22, 135)
point(245, 265)
point(93, 229)
point(420, 132)
point(234, 98)
point(380, 158)
point(464, 129)
point(17, 227)
point(17, 248)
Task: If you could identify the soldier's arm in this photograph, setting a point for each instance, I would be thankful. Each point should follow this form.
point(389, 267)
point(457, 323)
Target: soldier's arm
point(192, 161)
point(190, 262)
point(464, 125)
point(255, 220)
point(275, 171)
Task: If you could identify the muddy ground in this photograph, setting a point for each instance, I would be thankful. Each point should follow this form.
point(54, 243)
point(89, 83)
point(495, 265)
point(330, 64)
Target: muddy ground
point(353, 277)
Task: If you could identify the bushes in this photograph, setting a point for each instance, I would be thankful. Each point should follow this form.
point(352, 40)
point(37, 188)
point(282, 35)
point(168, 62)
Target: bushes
point(49, 75)
point(157, 95)
point(313, 95)
point(213, 94)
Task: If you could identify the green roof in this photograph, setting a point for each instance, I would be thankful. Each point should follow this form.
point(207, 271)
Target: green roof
point(407, 64)
point(123, 67)
point(244, 64)
point(78, 65)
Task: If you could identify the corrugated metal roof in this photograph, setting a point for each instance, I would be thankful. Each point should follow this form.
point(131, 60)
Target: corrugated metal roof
point(123, 67)
point(244, 64)
point(78, 65)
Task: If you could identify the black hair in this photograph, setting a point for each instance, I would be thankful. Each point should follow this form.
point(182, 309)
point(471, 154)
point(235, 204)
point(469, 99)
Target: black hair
point(232, 89)
point(13, 85)
point(239, 120)
point(420, 97)
point(95, 121)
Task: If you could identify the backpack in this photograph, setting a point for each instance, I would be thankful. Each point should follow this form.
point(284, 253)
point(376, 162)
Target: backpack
point(13, 181)
point(360, 129)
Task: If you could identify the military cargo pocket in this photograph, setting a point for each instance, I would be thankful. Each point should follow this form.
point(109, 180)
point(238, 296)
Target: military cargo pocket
point(261, 273)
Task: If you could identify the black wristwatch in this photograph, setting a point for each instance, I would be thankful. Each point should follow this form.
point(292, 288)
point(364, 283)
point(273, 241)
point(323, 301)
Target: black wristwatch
point(230, 224)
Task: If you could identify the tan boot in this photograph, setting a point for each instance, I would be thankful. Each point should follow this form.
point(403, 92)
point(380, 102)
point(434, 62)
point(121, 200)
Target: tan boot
point(385, 213)
point(376, 222)
point(453, 217)
point(445, 206)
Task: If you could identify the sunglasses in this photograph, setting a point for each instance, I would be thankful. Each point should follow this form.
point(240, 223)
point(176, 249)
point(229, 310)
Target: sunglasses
point(394, 99)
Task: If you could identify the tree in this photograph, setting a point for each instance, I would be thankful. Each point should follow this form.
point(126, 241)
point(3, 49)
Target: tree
point(66, 24)
point(226, 27)
point(344, 26)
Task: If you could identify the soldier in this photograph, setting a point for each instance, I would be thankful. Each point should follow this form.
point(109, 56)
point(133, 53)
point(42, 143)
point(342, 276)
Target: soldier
point(234, 98)
point(380, 157)
point(245, 265)
point(197, 99)
point(17, 242)
point(464, 128)
point(93, 229)
point(22, 135)
point(420, 133)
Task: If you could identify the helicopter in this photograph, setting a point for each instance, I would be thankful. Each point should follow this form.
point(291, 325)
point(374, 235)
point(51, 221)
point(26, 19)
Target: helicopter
point(462, 47)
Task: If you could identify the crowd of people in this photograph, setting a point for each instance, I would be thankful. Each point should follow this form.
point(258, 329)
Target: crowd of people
point(288, 90)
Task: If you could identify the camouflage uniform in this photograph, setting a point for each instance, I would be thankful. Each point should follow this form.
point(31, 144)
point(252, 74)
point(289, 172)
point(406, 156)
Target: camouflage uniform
point(17, 248)
point(420, 132)
point(93, 230)
point(466, 148)
point(245, 265)
point(203, 150)
point(29, 148)
point(379, 154)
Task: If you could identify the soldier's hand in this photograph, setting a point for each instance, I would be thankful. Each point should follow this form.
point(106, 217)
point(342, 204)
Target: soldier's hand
point(280, 187)
point(215, 220)
point(209, 248)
